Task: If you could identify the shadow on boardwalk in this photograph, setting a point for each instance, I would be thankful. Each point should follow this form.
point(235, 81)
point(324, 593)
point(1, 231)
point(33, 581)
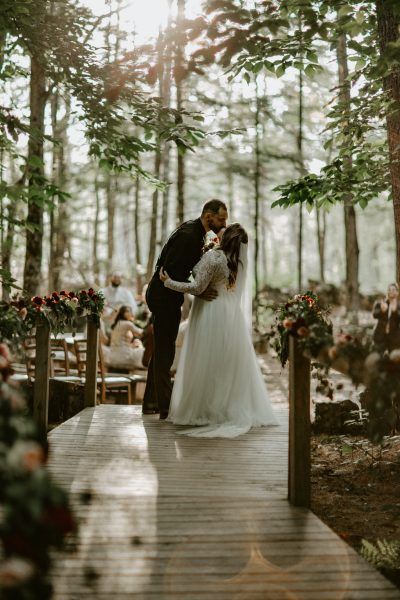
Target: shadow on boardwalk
point(175, 517)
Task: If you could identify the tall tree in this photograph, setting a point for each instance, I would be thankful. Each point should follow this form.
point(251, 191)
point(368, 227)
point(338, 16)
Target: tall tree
point(34, 235)
point(351, 240)
point(96, 222)
point(59, 212)
point(321, 236)
point(300, 138)
point(388, 14)
point(138, 253)
point(180, 73)
point(166, 98)
point(157, 170)
point(256, 183)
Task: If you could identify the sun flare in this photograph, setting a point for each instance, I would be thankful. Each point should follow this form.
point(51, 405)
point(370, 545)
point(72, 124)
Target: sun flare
point(143, 17)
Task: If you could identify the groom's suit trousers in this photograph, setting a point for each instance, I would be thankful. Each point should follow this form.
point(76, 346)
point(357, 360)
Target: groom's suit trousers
point(166, 321)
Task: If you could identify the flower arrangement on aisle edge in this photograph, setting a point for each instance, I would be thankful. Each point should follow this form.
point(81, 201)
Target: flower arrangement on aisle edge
point(304, 318)
point(59, 308)
point(36, 515)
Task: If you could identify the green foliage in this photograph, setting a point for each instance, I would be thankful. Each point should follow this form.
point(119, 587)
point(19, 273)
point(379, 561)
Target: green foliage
point(279, 35)
point(383, 554)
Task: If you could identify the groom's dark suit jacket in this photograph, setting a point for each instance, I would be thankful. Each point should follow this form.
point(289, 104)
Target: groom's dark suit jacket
point(178, 257)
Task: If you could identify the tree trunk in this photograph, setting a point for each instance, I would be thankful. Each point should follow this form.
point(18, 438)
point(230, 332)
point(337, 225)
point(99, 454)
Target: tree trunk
point(59, 215)
point(321, 231)
point(157, 172)
point(153, 221)
point(34, 237)
point(388, 30)
point(110, 187)
point(96, 266)
point(302, 173)
point(7, 244)
point(166, 96)
point(257, 178)
point(138, 254)
point(179, 70)
point(351, 240)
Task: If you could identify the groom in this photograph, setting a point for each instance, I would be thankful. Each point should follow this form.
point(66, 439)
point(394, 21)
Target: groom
point(178, 257)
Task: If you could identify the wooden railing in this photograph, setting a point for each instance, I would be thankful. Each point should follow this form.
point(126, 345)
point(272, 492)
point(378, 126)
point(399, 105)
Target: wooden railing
point(42, 370)
point(299, 483)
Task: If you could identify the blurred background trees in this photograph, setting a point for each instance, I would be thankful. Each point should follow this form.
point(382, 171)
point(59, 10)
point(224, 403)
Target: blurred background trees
point(101, 107)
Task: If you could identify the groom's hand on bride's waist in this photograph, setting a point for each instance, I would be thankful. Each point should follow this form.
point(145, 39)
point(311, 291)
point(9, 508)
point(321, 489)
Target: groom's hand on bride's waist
point(209, 294)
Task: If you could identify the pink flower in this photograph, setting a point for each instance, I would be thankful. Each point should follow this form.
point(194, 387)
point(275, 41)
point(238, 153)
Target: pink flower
point(288, 323)
point(23, 313)
point(332, 352)
point(303, 331)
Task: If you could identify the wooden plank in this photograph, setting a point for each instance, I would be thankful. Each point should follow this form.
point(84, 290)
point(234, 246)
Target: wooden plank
point(42, 374)
point(172, 517)
point(299, 483)
point(91, 363)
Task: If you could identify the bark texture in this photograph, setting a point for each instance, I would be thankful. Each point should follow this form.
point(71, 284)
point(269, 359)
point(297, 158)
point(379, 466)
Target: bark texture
point(388, 30)
point(34, 236)
point(350, 219)
point(179, 76)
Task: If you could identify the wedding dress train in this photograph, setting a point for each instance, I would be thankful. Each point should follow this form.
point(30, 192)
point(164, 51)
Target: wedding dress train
point(218, 386)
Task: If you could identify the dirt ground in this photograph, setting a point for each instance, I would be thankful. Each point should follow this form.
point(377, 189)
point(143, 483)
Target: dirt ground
point(356, 489)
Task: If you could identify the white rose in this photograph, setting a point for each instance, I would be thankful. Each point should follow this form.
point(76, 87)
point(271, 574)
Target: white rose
point(15, 571)
point(26, 456)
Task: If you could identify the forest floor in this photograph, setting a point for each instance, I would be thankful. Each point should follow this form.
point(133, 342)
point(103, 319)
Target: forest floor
point(356, 490)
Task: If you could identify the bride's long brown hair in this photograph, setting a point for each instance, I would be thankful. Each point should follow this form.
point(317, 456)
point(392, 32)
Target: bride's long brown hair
point(233, 236)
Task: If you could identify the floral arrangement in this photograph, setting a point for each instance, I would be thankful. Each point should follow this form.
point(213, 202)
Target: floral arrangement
point(36, 515)
point(60, 308)
point(353, 355)
point(304, 318)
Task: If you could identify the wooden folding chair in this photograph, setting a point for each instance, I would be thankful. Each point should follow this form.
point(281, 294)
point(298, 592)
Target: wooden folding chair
point(105, 383)
point(59, 357)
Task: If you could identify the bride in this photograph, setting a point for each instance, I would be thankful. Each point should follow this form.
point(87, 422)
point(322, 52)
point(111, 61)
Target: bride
point(218, 386)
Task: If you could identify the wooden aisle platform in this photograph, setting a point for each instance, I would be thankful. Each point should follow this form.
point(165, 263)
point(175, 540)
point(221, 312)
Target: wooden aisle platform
point(165, 517)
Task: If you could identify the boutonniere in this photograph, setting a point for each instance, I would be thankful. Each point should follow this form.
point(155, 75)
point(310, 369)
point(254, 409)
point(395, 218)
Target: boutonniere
point(210, 241)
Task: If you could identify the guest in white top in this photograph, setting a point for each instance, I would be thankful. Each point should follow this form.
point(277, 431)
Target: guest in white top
point(116, 295)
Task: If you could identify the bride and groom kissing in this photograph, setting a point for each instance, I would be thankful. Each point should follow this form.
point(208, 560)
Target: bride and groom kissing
point(218, 387)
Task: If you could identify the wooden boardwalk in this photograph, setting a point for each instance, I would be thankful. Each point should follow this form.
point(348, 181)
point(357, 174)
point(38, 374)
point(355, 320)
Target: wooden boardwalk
point(165, 517)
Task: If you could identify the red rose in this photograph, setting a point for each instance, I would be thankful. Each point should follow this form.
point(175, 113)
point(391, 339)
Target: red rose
point(84, 293)
point(59, 518)
point(72, 295)
point(38, 300)
point(55, 297)
point(91, 292)
point(63, 293)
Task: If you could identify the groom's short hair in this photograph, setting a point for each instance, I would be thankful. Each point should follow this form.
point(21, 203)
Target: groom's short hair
point(213, 206)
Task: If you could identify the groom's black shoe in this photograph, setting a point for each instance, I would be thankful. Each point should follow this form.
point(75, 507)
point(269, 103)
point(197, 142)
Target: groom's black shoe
point(150, 411)
point(163, 416)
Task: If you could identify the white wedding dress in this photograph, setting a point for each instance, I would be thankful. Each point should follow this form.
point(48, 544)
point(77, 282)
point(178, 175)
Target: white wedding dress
point(218, 386)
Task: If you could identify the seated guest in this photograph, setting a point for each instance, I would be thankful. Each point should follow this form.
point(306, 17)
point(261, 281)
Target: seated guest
point(125, 350)
point(116, 295)
point(387, 312)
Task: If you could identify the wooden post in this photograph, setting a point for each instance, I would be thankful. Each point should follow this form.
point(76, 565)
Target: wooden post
point(299, 426)
point(92, 357)
point(42, 374)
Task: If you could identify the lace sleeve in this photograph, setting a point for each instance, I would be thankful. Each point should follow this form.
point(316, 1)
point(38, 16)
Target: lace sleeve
point(204, 274)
